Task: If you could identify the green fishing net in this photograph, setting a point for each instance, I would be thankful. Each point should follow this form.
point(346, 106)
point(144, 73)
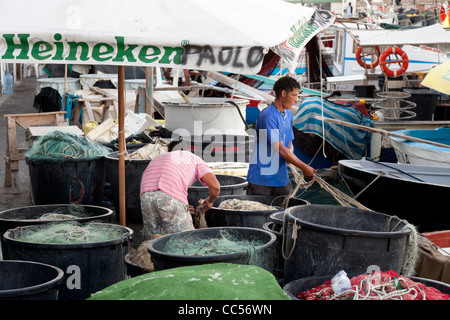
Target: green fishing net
point(70, 232)
point(218, 281)
point(70, 212)
point(225, 242)
point(59, 145)
point(252, 249)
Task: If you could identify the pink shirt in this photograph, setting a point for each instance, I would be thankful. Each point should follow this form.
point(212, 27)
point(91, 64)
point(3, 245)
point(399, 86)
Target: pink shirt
point(173, 173)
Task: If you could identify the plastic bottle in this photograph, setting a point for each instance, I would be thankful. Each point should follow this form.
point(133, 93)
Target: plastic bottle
point(8, 84)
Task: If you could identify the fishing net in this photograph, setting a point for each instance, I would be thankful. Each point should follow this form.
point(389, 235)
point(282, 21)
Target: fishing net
point(59, 146)
point(226, 241)
point(376, 286)
point(245, 205)
point(70, 212)
point(70, 232)
point(218, 281)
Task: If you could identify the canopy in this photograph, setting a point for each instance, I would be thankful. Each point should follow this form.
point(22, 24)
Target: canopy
point(438, 78)
point(214, 35)
point(433, 34)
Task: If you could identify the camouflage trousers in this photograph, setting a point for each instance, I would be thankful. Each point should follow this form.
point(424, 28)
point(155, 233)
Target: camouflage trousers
point(163, 214)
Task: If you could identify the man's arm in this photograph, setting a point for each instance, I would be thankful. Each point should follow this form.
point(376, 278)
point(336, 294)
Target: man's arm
point(290, 157)
point(213, 187)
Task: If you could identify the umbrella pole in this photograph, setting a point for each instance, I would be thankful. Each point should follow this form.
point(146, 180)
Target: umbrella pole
point(121, 88)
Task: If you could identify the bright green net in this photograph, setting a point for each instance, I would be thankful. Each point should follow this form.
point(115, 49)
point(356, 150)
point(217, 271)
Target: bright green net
point(70, 232)
point(59, 145)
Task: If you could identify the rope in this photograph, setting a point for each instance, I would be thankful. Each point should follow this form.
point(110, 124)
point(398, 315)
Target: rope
point(412, 248)
point(382, 173)
point(391, 290)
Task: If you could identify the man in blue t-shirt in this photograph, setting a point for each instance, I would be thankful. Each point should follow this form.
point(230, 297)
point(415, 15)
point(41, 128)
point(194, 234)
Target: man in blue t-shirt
point(268, 171)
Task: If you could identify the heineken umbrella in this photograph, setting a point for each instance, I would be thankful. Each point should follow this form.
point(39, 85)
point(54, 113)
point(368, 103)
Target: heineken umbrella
point(438, 78)
point(213, 35)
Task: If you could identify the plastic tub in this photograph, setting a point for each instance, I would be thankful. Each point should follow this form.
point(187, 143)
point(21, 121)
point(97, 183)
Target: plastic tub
point(26, 280)
point(229, 185)
point(204, 115)
point(263, 256)
point(222, 147)
point(25, 216)
point(217, 217)
point(295, 287)
point(134, 168)
point(331, 238)
point(79, 181)
point(89, 267)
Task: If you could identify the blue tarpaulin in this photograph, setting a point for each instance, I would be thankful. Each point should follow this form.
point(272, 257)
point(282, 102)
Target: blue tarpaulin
point(350, 141)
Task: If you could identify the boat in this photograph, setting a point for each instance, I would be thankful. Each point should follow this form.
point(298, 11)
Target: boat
point(418, 194)
point(421, 153)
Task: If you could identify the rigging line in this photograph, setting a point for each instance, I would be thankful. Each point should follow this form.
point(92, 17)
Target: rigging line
point(321, 99)
point(399, 170)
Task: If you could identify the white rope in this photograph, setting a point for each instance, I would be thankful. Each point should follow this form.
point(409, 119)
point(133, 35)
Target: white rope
point(391, 290)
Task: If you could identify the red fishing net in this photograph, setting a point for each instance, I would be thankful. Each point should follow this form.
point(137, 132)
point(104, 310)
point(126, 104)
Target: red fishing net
point(377, 286)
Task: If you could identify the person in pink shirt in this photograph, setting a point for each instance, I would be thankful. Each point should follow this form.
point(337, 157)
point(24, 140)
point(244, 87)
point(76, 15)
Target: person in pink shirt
point(164, 187)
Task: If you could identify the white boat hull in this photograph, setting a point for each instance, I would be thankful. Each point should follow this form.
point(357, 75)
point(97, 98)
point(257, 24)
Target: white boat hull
point(409, 154)
point(418, 153)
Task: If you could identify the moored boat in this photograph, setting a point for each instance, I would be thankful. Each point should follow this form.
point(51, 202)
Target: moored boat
point(418, 194)
point(422, 153)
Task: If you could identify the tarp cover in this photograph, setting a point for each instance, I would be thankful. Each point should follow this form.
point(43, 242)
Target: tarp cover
point(218, 281)
point(219, 35)
point(350, 141)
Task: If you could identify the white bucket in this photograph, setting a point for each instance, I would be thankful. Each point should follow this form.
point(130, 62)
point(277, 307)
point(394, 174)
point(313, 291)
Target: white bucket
point(206, 116)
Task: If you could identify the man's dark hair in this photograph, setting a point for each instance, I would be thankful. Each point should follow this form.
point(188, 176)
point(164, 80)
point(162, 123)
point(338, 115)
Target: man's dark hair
point(285, 83)
point(178, 145)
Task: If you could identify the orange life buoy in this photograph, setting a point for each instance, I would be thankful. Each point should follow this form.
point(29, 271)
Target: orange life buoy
point(403, 62)
point(359, 58)
point(442, 13)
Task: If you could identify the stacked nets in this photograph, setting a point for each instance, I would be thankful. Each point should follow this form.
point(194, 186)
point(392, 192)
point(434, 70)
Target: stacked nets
point(376, 286)
point(59, 145)
point(70, 232)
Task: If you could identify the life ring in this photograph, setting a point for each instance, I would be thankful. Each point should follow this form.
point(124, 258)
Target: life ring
point(359, 58)
point(404, 61)
point(442, 13)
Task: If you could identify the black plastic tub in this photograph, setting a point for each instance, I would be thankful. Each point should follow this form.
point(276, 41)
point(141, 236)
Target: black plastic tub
point(134, 269)
point(30, 215)
point(229, 185)
point(324, 239)
point(295, 287)
point(27, 280)
point(264, 255)
point(79, 181)
point(134, 168)
point(217, 217)
point(88, 267)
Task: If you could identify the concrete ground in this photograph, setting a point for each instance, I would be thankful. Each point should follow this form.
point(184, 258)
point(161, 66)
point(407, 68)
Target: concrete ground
point(21, 101)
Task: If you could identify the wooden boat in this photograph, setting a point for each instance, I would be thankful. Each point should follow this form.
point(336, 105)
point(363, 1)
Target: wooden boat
point(418, 194)
point(419, 153)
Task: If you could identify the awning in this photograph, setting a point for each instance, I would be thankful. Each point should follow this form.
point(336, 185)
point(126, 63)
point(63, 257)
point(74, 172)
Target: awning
point(433, 34)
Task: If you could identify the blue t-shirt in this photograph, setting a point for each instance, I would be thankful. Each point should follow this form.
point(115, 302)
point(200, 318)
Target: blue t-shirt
point(267, 167)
